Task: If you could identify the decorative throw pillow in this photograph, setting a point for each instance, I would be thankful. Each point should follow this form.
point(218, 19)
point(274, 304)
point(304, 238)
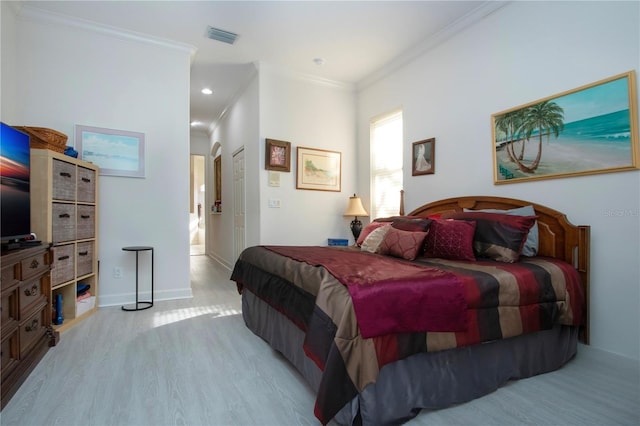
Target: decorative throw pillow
point(450, 239)
point(373, 240)
point(498, 236)
point(404, 244)
point(369, 229)
point(530, 247)
point(413, 225)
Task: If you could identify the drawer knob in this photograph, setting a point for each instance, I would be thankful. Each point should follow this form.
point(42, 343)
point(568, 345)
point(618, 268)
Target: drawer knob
point(32, 327)
point(64, 215)
point(83, 253)
point(31, 292)
point(85, 216)
point(84, 179)
point(34, 264)
point(63, 257)
point(65, 174)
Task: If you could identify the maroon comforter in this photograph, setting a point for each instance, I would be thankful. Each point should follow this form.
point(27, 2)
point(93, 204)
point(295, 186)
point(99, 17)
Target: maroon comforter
point(391, 296)
point(501, 300)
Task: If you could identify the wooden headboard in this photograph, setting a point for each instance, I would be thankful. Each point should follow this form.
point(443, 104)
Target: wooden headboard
point(558, 237)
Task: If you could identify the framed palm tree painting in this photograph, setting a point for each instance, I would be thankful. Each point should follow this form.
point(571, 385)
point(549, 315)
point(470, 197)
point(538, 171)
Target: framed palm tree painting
point(591, 129)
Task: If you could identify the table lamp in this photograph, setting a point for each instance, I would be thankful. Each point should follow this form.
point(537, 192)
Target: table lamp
point(355, 209)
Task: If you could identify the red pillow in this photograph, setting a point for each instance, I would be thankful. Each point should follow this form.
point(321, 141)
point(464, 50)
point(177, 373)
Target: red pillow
point(369, 229)
point(450, 239)
point(498, 236)
point(404, 244)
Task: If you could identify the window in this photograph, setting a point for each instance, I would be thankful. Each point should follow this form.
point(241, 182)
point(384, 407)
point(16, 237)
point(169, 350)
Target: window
point(386, 164)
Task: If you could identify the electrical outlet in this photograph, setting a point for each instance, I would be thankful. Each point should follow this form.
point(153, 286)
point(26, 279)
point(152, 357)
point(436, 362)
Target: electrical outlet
point(274, 203)
point(117, 272)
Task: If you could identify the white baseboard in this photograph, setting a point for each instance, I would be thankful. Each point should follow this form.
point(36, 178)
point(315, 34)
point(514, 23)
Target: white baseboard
point(128, 298)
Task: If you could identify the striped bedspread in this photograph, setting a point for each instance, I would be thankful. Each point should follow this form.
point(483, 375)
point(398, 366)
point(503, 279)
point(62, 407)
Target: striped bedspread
point(503, 300)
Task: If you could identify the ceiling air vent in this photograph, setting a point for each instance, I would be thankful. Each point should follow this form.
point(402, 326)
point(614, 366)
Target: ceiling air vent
point(221, 35)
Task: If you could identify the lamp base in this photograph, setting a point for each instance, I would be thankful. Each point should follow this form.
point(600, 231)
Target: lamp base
point(356, 228)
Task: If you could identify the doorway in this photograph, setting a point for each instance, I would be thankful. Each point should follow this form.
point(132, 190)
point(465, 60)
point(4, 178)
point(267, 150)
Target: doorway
point(197, 216)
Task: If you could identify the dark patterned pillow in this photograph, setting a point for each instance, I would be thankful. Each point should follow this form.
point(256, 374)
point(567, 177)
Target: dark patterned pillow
point(450, 239)
point(530, 247)
point(405, 244)
point(413, 225)
point(498, 236)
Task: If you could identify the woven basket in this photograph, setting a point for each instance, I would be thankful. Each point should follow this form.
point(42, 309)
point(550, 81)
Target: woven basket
point(43, 138)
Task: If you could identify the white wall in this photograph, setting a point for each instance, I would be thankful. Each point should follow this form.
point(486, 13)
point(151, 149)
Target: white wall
point(314, 114)
point(521, 53)
point(72, 74)
point(8, 74)
point(306, 112)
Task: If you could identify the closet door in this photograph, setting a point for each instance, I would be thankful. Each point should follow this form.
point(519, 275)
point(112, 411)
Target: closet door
point(238, 203)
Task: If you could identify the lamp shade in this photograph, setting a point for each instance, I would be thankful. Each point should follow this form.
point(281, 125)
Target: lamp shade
point(355, 207)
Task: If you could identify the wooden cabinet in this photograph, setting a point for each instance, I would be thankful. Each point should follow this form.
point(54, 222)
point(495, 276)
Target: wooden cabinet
point(26, 314)
point(64, 210)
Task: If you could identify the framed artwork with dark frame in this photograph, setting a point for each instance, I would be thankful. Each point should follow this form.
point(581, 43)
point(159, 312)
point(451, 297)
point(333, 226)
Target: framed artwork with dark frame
point(587, 130)
point(277, 155)
point(318, 169)
point(423, 158)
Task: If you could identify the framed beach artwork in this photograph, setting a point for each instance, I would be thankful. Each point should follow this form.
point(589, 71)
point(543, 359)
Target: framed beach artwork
point(318, 169)
point(423, 160)
point(277, 155)
point(591, 129)
point(116, 152)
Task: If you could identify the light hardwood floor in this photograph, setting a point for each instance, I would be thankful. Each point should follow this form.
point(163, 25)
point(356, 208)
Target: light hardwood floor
point(193, 362)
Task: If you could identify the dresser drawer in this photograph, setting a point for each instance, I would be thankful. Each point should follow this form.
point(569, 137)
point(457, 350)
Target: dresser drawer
point(32, 330)
point(10, 275)
point(32, 266)
point(63, 222)
point(84, 258)
point(30, 294)
point(10, 354)
point(86, 222)
point(64, 180)
point(86, 185)
point(63, 264)
point(9, 311)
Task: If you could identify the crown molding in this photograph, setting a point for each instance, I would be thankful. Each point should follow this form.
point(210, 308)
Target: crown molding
point(30, 13)
point(476, 15)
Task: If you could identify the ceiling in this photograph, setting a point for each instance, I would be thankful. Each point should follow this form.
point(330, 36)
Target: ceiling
point(356, 40)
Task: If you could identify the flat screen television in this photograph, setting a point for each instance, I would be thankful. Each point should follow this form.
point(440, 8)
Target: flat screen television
point(15, 202)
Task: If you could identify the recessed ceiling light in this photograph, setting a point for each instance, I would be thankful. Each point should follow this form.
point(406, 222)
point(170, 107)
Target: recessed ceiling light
point(207, 91)
point(318, 61)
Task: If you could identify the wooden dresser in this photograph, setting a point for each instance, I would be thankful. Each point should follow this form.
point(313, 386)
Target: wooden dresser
point(26, 314)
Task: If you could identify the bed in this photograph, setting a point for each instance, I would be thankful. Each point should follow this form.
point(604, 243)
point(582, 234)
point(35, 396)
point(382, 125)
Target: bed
point(381, 335)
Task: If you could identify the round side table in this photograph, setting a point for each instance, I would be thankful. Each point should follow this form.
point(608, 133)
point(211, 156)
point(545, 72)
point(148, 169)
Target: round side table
point(140, 305)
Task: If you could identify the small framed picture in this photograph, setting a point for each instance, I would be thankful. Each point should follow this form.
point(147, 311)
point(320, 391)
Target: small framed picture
point(277, 155)
point(424, 157)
